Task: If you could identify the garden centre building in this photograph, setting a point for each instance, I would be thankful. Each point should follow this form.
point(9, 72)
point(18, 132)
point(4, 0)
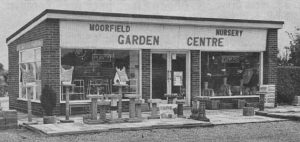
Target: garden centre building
point(151, 55)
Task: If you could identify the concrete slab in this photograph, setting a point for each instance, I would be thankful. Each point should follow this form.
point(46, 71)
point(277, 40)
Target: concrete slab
point(235, 116)
point(80, 128)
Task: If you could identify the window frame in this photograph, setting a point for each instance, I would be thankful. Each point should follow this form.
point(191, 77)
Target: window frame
point(139, 87)
point(35, 60)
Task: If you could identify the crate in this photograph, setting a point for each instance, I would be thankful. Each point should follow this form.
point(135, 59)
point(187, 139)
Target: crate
point(226, 106)
point(213, 104)
point(239, 103)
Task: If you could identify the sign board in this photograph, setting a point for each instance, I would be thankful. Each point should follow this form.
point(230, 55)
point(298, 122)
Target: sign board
point(167, 110)
point(177, 77)
point(101, 57)
point(113, 35)
point(230, 59)
point(270, 100)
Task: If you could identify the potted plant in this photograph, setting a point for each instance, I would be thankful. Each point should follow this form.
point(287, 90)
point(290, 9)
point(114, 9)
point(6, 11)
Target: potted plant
point(48, 102)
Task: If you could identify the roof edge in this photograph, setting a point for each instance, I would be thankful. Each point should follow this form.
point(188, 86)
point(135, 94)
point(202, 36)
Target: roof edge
point(71, 12)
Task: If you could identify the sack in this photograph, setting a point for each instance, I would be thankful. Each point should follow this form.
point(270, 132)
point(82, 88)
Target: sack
point(66, 75)
point(120, 76)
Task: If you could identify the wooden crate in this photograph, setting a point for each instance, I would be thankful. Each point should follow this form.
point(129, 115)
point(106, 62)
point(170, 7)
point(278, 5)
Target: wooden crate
point(213, 104)
point(224, 105)
point(239, 103)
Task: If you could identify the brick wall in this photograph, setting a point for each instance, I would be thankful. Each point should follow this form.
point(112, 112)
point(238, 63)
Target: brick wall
point(48, 31)
point(270, 58)
point(195, 73)
point(146, 73)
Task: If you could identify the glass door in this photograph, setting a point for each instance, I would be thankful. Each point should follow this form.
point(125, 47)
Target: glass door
point(169, 72)
point(159, 75)
point(178, 71)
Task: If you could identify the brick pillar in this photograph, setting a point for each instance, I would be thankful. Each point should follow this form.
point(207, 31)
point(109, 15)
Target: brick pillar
point(195, 73)
point(50, 72)
point(270, 59)
point(146, 73)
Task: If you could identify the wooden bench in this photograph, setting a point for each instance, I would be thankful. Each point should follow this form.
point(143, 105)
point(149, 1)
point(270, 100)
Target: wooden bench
point(79, 104)
point(228, 101)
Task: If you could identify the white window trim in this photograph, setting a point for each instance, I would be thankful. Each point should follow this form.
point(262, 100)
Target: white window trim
point(32, 84)
point(139, 88)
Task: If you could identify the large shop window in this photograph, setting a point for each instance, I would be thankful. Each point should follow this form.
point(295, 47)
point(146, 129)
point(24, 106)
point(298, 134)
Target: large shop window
point(227, 74)
point(30, 73)
point(96, 71)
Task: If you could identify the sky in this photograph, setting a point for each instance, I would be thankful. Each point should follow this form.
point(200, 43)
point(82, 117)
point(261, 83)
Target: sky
point(16, 13)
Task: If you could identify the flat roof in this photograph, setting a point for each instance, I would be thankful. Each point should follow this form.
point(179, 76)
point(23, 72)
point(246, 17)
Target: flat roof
point(89, 13)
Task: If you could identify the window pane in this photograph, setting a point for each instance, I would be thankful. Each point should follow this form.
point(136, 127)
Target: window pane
point(38, 90)
point(38, 70)
point(95, 71)
point(229, 73)
point(27, 55)
point(23, 93)
point(38, 54)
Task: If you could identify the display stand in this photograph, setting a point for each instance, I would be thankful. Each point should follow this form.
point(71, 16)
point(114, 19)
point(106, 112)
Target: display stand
point(180, 108)
point(171, 97)
point(120, 86)
point(132, 107)
point(68, 86)
point(29, 111)
point(154, 109)
point(198, 110)
point(104, 104)
point(116, 117)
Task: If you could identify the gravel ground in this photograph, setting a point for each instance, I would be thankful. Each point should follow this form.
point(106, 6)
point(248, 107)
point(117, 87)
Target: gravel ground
point(271, 131)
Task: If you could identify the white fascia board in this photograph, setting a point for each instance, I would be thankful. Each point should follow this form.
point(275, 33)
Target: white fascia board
point(146, 21)
point(164, 21)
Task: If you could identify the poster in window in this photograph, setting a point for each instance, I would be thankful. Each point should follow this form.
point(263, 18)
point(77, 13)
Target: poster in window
point(177, 76)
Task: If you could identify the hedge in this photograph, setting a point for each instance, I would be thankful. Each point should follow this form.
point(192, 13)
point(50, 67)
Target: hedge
point(288, 83)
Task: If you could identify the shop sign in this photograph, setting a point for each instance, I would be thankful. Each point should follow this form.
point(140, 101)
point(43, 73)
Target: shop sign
point(230, 59)
point(108, 35)
point(101, 57)
point(270, 100)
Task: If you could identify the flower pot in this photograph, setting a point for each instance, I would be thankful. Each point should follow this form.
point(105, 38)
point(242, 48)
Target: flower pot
point(49, 119)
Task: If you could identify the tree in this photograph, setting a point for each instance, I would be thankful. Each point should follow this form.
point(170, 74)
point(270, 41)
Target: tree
point(294, 57)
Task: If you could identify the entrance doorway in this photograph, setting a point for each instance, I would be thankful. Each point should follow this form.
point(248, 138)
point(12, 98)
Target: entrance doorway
point(170, 73)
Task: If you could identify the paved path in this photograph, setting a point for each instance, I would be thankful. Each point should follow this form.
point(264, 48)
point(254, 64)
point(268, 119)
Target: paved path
point(217, 117)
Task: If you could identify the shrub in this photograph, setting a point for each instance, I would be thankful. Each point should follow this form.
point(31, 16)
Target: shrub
point(48, 100)
point(288, 83)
